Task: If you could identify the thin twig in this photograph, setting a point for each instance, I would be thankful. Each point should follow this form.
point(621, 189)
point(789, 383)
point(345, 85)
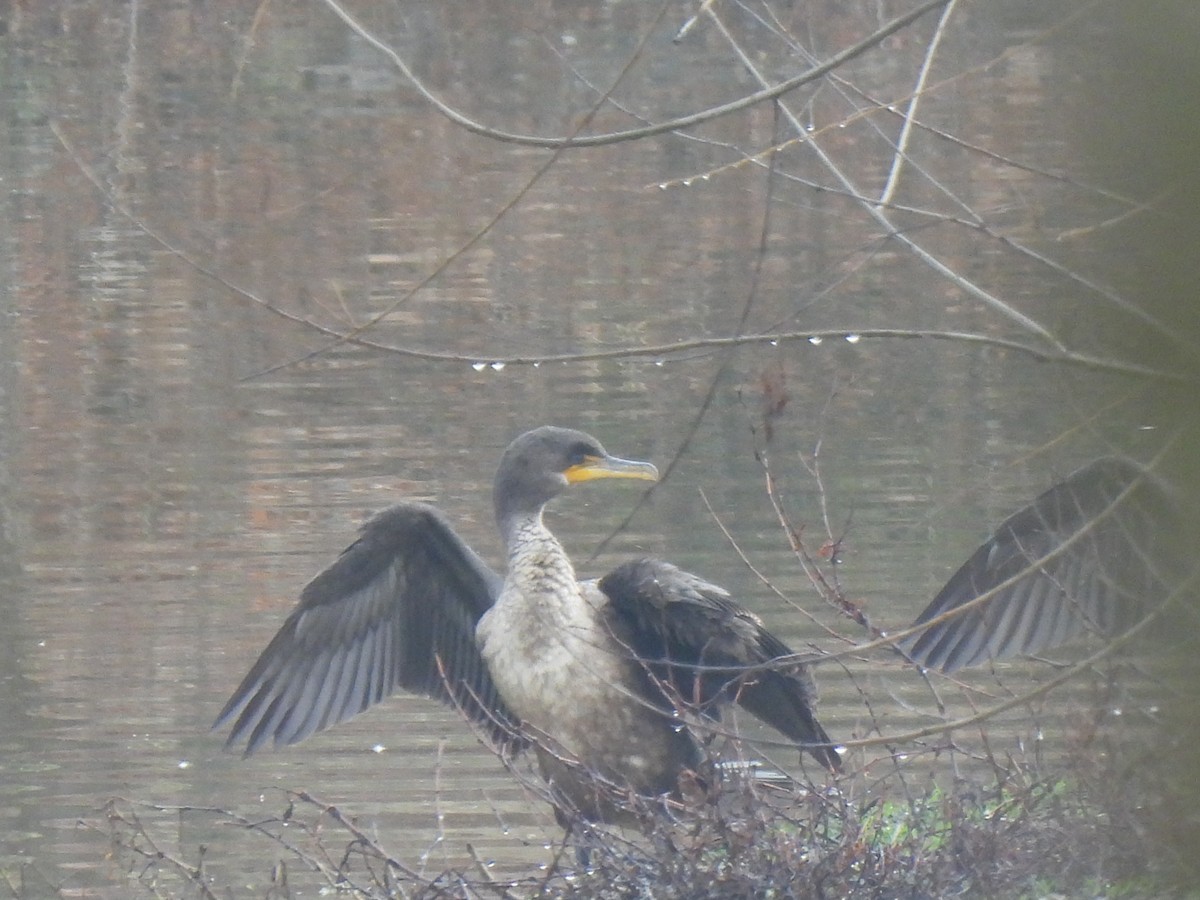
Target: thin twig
point(772, 92)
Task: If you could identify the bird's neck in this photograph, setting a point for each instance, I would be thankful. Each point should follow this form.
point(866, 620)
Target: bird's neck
point(538, 567)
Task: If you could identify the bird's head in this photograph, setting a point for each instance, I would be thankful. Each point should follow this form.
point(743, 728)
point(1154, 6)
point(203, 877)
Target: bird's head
point(540, 464)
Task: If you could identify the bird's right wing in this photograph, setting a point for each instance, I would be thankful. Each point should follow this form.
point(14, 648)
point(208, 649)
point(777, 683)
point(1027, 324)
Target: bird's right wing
point(1094, 553)
point(398, 608)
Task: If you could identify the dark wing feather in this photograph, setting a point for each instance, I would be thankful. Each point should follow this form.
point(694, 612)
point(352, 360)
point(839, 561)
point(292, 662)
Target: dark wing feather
point(1083, 557)
point(398, 608)
point(675, 622)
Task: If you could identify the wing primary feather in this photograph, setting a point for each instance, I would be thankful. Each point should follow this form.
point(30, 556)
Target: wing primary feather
point(1094, 553)
point(692, 636)
point(406, 592)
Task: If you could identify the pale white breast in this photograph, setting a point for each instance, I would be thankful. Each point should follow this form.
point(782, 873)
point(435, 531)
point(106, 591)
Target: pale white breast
point(549, 653)
point(559, 669)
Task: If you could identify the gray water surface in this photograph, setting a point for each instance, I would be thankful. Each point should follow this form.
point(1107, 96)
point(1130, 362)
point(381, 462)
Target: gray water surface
point(165, 492)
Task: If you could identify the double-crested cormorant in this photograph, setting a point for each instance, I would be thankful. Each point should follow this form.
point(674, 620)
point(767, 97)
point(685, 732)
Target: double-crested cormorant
point(594, 674)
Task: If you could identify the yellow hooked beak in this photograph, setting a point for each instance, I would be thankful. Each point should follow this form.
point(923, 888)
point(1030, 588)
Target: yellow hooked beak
point(594, 467)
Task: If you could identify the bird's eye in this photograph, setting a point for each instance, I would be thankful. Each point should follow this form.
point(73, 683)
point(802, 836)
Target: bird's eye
point(581, 452)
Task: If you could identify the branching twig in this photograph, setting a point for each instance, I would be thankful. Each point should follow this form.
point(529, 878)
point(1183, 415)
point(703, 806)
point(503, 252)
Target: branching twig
point(769, 92)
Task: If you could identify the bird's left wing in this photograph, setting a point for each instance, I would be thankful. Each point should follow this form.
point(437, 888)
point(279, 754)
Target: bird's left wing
point(705, 648)
point(398, 608)
point(1094, 553)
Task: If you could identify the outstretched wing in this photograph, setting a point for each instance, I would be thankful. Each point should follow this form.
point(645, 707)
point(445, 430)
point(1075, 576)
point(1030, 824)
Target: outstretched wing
point(694, 638)
point(397, 609)
point(1094, 553)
